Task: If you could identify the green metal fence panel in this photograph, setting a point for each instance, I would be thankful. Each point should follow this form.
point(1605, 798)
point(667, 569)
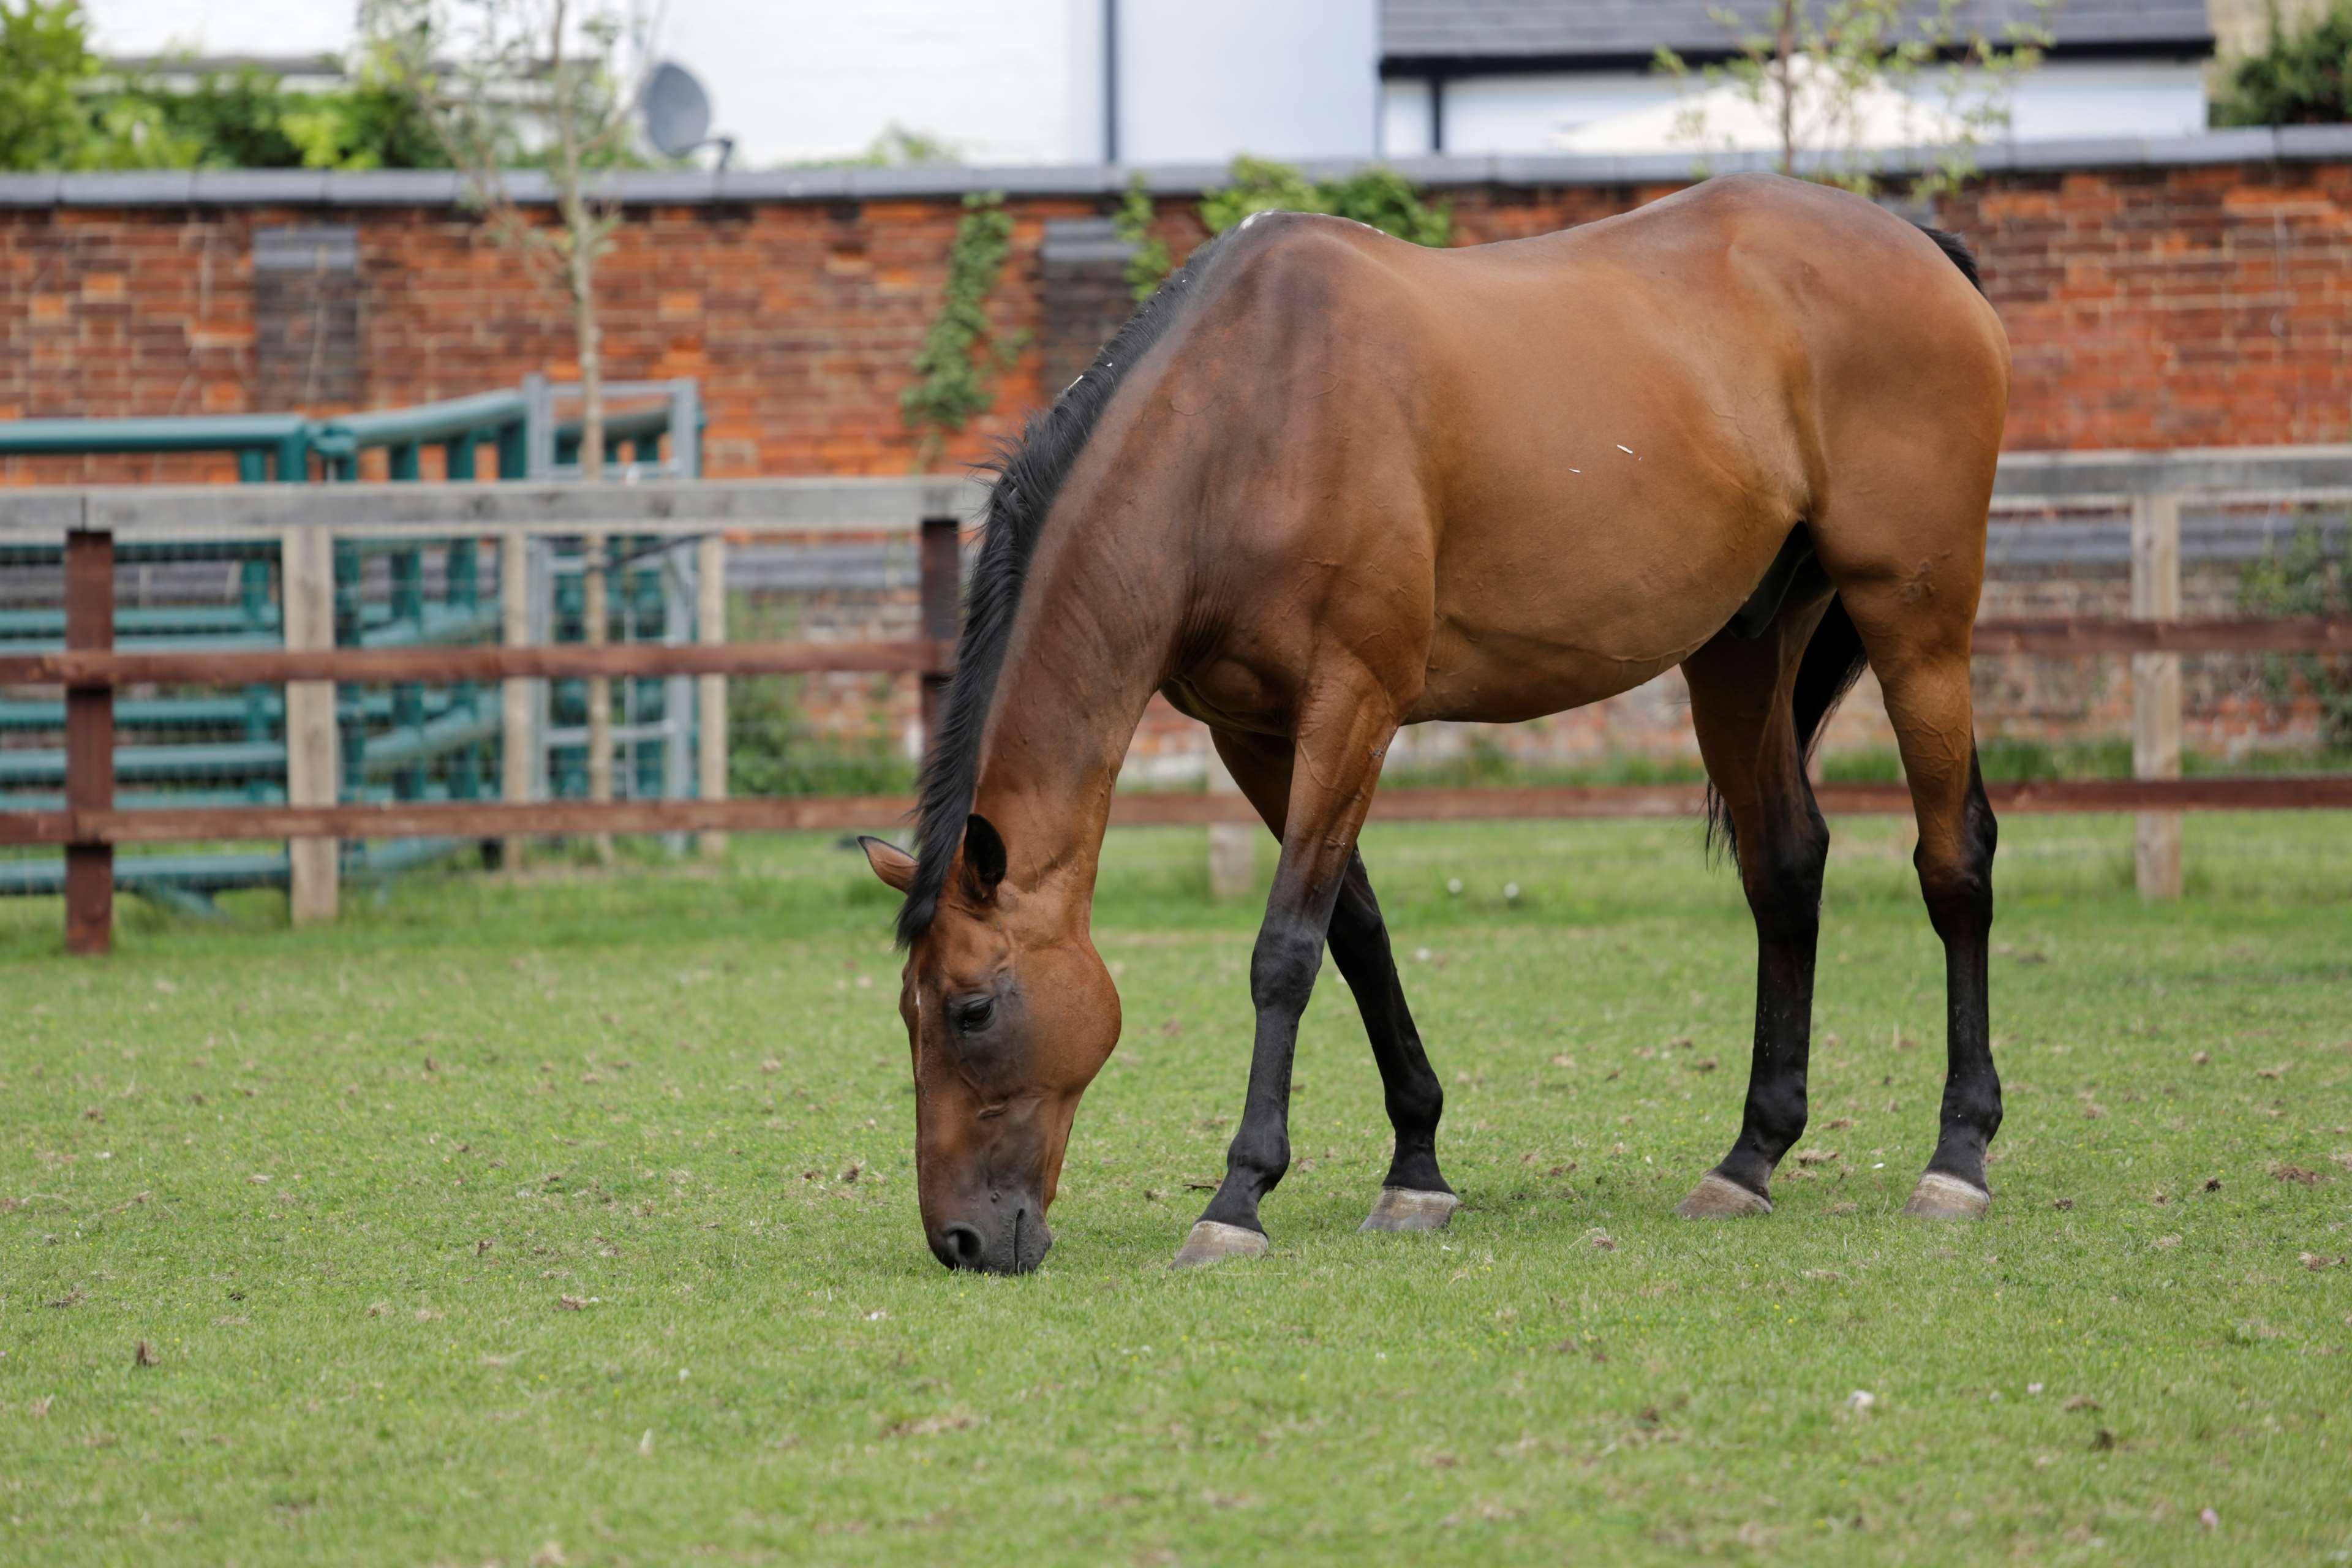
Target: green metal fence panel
point(401, 743)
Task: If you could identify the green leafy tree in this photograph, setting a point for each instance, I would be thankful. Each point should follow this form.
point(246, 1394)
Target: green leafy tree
point(562, 77)
point(1813, 73)
point(45, 64)
point(234, 119)
point(2302, 78)
point(62, 108)
point(559, 78)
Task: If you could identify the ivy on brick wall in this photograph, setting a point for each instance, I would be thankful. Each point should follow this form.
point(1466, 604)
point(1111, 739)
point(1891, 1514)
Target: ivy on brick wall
point(1148, 259)
point(961, 352)
point(1382, 198)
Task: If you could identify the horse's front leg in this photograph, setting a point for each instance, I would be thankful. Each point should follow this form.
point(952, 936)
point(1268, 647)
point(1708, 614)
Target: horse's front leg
point(1343, 730)
point(1413, 1196)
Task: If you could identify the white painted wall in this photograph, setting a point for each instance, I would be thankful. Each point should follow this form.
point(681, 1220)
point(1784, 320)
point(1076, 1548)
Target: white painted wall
point(222, 26)
point(1511, 113)
point(1404, 120)
point(1002, 81)
point(1201, 80)
point(1020, 81)
point(1519, 113)
point(2069, 98)
point(792, 80)
point(803, 79)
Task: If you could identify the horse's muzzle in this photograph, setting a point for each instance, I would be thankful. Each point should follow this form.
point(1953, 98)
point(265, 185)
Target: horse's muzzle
point(1006, 1237)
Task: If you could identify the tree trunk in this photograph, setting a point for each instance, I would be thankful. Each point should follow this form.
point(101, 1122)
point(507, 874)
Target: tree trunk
point(590, 334)
point(1785, 56)
point(594, 596)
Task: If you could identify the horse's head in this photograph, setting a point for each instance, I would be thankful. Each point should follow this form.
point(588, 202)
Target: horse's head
point(1010, 1014)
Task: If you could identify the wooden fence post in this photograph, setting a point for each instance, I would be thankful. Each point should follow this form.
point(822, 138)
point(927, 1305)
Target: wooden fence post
point(2155, 688)
point(1233, 846)
point(595, 556)
point(710, 690)
point(516, 764)
point(942, 568)
point(307, 602)
point(90, 742)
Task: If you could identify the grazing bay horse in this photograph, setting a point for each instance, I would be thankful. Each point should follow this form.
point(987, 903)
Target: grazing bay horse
point(1327, 483)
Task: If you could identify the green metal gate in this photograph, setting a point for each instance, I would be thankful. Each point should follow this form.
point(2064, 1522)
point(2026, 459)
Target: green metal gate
point(399, 744)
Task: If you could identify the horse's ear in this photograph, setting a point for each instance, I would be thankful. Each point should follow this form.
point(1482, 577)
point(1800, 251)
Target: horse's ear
point(892, 864)
point(983, 856)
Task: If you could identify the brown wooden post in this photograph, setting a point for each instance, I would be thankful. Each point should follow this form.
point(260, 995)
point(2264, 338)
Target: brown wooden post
point(943, 598)
point(90, 742)
point(1233, 846)
point(313, 757)
point(596, 557)
point(517, 735)
point(710, 690)
point(2156, 689)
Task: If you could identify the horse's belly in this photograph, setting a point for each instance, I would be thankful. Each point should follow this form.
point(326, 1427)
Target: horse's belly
point(1567, 628)
point(1504, 681)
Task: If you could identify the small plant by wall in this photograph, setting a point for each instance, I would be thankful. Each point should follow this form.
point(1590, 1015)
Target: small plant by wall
point(962, 353)
point(1382, 198)
point(2303, 579)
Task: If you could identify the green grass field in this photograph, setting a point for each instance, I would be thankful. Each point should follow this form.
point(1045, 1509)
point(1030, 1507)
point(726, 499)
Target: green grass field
point(572, 1220)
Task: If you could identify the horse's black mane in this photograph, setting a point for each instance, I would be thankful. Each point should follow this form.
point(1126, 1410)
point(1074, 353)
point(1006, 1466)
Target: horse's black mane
point(1029, 473)
point(1956, 249)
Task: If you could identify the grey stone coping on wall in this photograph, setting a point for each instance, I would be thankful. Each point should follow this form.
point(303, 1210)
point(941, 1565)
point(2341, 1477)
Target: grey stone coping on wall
point(299, 187)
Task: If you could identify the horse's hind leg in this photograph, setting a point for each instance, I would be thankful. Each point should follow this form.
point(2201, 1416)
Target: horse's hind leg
point(1413, 1196)
point(1740, 707)
point(1916, 633)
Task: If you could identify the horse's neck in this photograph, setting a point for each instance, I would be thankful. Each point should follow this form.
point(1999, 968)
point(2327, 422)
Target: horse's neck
point(1084, 661)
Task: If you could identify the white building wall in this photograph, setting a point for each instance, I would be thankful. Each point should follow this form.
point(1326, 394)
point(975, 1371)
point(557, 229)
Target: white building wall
point(802, 81)
point(2065, 99)
point(1002, 81)
point(274, 27)
point(1511, 113)
point(1201, 80)
point(2060, 100)
point(1020, 81)
point(1404, 118)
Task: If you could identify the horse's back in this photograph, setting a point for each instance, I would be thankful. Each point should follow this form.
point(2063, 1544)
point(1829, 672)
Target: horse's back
point(1576, 454)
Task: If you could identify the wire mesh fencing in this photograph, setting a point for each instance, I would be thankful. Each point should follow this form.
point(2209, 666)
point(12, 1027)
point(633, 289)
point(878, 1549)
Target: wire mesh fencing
point(173, 746)
point(838, 733)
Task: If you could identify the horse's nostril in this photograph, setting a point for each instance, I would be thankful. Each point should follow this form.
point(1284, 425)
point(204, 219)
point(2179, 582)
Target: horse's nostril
point(961, 1246)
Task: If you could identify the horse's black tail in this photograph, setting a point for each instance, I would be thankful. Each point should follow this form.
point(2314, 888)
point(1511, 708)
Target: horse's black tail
point(1833, 660)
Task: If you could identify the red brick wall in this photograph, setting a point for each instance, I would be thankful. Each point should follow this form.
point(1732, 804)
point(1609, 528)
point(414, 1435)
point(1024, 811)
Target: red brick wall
point(2195, 306)
point(2148, 308)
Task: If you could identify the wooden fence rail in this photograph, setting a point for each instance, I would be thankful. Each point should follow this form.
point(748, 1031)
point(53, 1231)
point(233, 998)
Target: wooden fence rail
point(91, 671)
point(491, 820)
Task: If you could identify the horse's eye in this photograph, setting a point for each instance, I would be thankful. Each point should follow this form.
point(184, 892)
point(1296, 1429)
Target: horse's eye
point(970, 1017)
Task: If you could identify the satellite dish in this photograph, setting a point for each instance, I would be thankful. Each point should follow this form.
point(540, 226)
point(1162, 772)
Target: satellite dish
point(677, 111)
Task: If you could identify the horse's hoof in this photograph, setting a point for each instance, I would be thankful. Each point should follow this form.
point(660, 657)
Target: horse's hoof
point(1213, 1241)
point(1720, 1197)
point(1409, 1208)
point(1939, 1196)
